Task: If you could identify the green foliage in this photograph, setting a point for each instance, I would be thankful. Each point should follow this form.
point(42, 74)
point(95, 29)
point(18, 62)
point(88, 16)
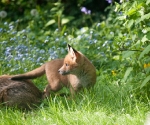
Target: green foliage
point(145, 81)
point(127, 73)
point(145, 51)
point(53, 14)
point(136, 24)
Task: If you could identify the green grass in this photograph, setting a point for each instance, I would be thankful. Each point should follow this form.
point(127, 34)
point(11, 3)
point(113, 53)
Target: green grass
point(106, 104)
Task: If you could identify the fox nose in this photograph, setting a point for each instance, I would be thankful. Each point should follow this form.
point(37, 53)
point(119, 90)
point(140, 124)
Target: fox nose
point(60, 72)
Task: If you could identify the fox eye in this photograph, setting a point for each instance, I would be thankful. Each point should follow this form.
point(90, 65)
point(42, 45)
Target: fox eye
point(66, 64)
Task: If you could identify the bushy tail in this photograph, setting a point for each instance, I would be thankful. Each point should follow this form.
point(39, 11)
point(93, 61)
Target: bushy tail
point(31, 75)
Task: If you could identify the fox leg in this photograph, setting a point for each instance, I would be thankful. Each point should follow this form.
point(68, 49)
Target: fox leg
point(47, 91)
point(74, 92)
point(52, 87)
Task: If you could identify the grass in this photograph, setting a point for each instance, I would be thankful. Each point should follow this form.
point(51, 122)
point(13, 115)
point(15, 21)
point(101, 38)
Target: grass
point(106, 104)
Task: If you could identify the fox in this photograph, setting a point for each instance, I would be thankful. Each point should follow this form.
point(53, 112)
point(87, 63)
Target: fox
point(75, 72)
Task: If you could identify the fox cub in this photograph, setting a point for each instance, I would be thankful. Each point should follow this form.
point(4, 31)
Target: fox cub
point(74, 71)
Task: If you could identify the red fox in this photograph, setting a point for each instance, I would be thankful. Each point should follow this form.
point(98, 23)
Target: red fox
point(74, 71)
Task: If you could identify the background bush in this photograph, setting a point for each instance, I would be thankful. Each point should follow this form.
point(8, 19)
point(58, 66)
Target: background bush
point(55, 12)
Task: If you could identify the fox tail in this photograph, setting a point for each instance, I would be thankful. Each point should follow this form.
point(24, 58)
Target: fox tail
point(30, 75)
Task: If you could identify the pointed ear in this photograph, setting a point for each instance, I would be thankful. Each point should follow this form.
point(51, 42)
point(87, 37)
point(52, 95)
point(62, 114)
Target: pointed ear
point(68, 46)
point(74, 53)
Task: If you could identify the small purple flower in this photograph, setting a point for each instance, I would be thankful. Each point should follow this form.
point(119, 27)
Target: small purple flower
point(85, 10)
point(89, 12)
point(109, 1)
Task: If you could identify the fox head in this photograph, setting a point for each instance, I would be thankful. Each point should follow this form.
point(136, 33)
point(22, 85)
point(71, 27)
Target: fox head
point(72, 62)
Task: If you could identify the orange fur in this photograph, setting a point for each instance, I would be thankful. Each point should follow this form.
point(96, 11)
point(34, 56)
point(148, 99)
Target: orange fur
point(74, 71)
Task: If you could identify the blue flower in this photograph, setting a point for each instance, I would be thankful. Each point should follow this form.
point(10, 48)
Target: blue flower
point(65, 34)
point(42, 51)
point(13, 39)
point(95, 41)
point(91, 32)
point(24, 37)
point(17, 21)
point(39, 59)
point(1, 29)
point(91, 42)
point(5, 23)
point(23, 31)
point(57, 39)
point(98, 47)
point(11, 27)
point(14, 32)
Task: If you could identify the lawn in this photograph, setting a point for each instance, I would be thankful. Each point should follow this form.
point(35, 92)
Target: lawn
point(106, 104)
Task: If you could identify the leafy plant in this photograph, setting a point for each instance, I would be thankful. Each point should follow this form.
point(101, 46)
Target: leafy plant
point(135, 21)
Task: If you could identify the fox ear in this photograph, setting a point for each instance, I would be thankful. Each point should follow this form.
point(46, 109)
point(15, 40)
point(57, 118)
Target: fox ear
point(72, 51)
point(68, 46)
